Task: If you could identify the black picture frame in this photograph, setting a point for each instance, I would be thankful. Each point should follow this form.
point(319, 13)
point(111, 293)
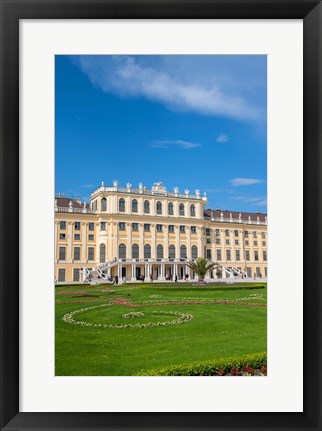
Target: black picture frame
point(11, 12)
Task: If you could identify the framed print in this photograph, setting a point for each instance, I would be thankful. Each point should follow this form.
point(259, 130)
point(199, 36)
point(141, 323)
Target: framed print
point(160, 202)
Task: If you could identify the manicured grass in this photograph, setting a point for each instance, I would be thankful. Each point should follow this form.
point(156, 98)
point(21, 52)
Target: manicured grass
point(227, 321)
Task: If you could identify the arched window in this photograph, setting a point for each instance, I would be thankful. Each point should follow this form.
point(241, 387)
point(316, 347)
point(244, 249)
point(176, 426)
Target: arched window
point(102, 253)
point(135, 251)
point(183, 252)
point(159, 207)
point(181, 209)
point(146, 207)
point(134, 206)
point(122, 205)
point(192, 210)
point(160, 251)
point(170, 208)
point(103, 204)
point(122, 251)
point(147, 251)
point(194, 252)
point(172, 251)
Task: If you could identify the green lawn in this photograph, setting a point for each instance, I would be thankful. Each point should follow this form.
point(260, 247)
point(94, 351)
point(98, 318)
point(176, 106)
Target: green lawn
point(233, 326)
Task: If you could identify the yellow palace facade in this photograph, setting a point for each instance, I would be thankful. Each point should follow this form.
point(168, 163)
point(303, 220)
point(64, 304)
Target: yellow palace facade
point(139, 232)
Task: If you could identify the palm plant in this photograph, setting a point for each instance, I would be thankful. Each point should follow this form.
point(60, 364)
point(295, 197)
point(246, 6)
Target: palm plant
point(201, 266)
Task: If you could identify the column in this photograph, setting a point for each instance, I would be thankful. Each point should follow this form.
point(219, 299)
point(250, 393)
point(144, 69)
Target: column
point(177, 241)
point(200, 242)
point(129, 241)
point(70, 240)
point(133, 272)
point(115, 248)
point(141, 241)
point(84, 241)
point(188, 233)
point(166, 242)
point(153, 245)
point(109, 245)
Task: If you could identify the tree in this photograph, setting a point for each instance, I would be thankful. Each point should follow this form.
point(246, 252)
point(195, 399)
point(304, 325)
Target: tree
point(201, 266)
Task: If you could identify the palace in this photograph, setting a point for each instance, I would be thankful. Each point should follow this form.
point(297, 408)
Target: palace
point(132, 233)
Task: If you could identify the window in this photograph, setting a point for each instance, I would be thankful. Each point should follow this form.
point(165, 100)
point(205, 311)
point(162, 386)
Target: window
point(76, 274)
point(246, 242)
point(91, 226)
point(181, 209)
point(102, 253)
point(62, 236)
point(146, 207)
point(94, 205)
point(246, 234)
point(247, 255)
point(134, 206)
point(183, 252)
point(263, 235)
point(208, 254)
point(103, 204)
point(227, 241)
point(90, 253)
point(207, 231)
point(171, 228)
point(103, 225)
point(236, 233)
point(77, 225)
point(194, 252)
point(237, 254)
point(146, 227)
point(147, 251)
point(265, 271)
point(264, 255)
point(226, 232)
point(217, 232)
point(249, 272)
point(90, 237)
point(121, 225)
point(228, 255)
point(159, 227)
point(159, 207)
point(264, 243)
point(218, 254)
point(159, 251)
point(121, 205)
point(62, 253)
point(172, 251)
point(217, 240)
point(208, 240)
point(135, 251)
point(255, 243)
point(182, 229)
point(254, 234)
point(62, 225)
point(170, 208)
point(192, 210)
point(61, 274)
point(135, 227)
point(76, 253)
point(236, 241)
point(122, 251)
point(193, 229)
point(77, 236)
point(256, 254)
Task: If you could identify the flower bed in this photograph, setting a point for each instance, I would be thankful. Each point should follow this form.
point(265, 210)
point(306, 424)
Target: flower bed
point(180, 318)
point(247, 365)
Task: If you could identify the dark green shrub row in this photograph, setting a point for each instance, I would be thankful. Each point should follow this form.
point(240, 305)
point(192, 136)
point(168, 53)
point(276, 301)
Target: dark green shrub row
point(209, 288)
point(210, 368)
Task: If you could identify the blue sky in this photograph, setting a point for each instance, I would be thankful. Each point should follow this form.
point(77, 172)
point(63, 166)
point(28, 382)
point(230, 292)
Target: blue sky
point(188, 121)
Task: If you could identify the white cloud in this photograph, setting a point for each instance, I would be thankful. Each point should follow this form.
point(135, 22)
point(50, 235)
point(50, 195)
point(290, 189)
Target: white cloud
point(124, 76)
point(222, 139)
point(87, 186)
point(167, 144)
point(254, 201)
point(244, 181)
